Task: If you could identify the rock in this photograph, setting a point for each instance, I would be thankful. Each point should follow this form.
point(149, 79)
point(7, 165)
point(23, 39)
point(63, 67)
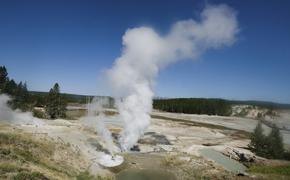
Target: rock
point(153, 138)
point(159, 149)
point(241, 155)
point(135, 148)
point(210, 144)
point(115, 136)
point(242, 174)
point(167, 148)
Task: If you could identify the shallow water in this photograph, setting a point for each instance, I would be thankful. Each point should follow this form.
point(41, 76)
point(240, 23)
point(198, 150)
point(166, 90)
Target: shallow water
point(223, 160)
point(145, 174)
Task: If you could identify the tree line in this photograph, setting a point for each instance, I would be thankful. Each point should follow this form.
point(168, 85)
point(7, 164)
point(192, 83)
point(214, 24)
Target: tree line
point(53, 102)
point(194, 106)
point(19, 93)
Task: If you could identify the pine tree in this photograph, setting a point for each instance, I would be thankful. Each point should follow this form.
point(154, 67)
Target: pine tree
point(258, 142)
point(3, 78)
point(275, 144)
point(51, 104)
point(56, 104)
point(10, 87)
point(270, 146)
point(21, 97)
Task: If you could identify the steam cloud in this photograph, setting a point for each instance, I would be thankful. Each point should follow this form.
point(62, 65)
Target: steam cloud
point(16, 117)
point(96, 108)
point(145, 52)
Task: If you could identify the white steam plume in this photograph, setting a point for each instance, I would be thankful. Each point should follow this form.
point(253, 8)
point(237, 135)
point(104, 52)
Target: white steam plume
point(146, 52)
point(95, 119)
point(16, 117)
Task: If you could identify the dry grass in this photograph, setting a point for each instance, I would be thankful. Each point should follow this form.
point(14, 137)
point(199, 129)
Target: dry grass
point(195, 168)
point(181, 166)
point(24, 157)
point(171, 161)
point(75, 114)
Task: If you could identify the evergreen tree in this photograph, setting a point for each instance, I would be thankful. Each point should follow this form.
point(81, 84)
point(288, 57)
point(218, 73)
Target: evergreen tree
point(51, 104)
point(258, 142)
point(21, 97)
point(56, 105)
point(275, 144)
point(3, 78)
point(270, 146)
point(10, 87)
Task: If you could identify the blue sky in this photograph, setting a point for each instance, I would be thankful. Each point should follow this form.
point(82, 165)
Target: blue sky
point(73, 42)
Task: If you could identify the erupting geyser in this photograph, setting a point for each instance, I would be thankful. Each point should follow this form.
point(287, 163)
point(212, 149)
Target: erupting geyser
point(145, 52)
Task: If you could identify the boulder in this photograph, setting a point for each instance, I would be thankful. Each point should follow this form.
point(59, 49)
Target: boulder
point(241, 155)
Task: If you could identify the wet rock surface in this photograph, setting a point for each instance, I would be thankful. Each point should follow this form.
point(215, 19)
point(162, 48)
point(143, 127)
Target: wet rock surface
point(154, 138)
point(99, 147)
point(135, 148)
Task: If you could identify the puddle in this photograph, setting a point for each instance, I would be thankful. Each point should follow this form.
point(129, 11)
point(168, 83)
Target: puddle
point(145, 174)
point(223, 160)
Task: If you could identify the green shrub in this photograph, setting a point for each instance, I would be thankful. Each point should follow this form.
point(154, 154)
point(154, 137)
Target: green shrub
point(281, 170)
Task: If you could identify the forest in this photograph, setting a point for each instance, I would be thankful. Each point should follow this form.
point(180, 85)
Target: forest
point(194, 106)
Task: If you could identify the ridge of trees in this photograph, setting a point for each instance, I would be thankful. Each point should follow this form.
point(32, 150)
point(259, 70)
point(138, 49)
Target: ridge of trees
point(70, 98)
point(194, 106)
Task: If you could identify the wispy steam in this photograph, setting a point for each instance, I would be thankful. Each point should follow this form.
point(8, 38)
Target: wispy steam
point(95, 119)
point(16, 117)
point(146, 52)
